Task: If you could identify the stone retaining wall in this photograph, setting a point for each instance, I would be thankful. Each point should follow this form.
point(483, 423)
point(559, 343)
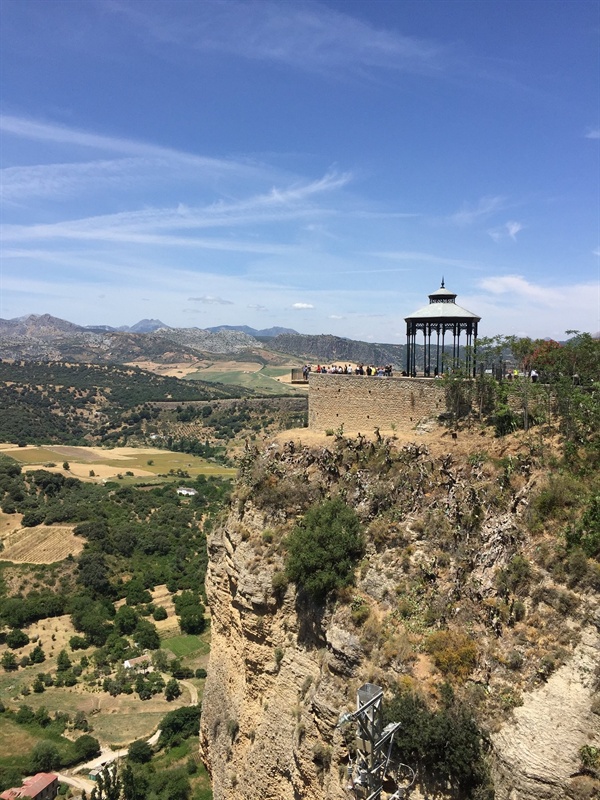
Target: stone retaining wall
point(362, 403)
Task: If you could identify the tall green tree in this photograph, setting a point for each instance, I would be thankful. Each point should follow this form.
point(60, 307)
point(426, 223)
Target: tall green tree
point(324, 549)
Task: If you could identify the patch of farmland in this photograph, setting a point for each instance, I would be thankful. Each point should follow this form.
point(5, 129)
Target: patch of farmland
point(43, 544)
point(161, 596)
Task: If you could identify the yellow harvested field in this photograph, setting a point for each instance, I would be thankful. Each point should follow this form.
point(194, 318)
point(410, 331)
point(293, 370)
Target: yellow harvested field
point(176, 370)
point(161, 596)
point(109, 463)
point(232, 366)
point(43, 544)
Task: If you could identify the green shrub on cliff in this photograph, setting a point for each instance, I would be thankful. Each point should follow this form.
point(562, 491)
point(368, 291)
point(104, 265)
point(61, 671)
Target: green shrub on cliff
point(324, 549)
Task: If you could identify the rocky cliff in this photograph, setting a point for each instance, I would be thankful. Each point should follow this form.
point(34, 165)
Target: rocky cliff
point(449, 547)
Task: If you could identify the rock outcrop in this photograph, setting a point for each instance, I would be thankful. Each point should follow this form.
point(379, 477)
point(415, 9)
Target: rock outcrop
point(282, 671)
point(537, 753)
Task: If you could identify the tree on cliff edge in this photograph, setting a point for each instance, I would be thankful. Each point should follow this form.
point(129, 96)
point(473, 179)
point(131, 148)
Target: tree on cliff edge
point(324, 549)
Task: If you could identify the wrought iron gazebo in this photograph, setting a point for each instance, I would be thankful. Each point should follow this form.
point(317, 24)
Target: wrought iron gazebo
point(444, 322)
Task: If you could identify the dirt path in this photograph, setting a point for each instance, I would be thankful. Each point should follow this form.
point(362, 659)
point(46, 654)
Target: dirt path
point(107, 756)
point(78, 783)
point(193, 692)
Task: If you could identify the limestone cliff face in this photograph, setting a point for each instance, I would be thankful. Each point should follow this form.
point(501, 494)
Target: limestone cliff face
point(273, 697)
point(536, 753)
point(281, 671)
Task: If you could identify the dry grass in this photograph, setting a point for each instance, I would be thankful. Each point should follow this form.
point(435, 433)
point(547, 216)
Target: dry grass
point(53, 634)
point(15, 739)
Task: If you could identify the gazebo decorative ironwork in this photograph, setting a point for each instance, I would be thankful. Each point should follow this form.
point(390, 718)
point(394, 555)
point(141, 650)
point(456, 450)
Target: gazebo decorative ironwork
point(441, 317)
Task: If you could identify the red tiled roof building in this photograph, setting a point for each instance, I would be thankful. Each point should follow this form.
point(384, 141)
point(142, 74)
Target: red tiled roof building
point(43, 786)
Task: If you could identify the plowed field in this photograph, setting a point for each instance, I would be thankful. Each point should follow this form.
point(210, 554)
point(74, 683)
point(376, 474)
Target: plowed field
point(43, 544)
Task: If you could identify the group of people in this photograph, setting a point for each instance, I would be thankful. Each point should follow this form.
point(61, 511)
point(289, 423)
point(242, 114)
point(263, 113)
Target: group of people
point(360, 369)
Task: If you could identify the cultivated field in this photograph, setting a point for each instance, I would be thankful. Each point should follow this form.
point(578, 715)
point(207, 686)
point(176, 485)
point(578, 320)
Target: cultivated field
point(42, 544)
point(161, 596)
point(108, 464)
point(251, 375)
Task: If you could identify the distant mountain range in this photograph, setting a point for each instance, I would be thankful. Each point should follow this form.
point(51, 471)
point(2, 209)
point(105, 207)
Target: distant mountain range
point(326, 348)
point(266, 333)
point(47, 338)
point(143, 326)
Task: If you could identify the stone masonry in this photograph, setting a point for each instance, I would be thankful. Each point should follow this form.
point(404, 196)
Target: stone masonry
point(362, 403)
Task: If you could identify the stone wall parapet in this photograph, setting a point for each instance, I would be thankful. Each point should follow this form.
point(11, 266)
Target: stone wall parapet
point(362, 402)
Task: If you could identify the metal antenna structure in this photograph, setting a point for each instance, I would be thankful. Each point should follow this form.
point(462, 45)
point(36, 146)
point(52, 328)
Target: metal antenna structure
point(373, 764)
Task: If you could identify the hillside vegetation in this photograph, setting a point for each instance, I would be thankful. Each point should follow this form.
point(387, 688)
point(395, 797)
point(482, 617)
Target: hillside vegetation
point(101, 602)
point(73, 403)
point(461, 572)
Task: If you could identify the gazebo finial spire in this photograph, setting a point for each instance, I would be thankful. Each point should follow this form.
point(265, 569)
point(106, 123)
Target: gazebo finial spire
point(442, 286)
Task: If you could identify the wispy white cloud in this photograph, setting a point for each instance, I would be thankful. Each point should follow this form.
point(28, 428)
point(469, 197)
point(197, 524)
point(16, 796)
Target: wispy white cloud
point(210, 300)
point(108, 235)
point(302, 306)
point(470, 214)
point(384, 214)
point(143, 226)
point(592, 133)
point(336, 316)
point(515, 304)
point(25, 128)
point(302, 35)
point(508, 230)
point(61, 180)
point(257, 307)
point(425, 258)
point(518, 288)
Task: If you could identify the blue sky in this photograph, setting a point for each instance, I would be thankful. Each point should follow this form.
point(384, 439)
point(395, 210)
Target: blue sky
point(316, 165)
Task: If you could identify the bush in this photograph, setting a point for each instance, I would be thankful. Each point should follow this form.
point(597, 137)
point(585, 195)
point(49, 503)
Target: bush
point(179, 725)
point(33, 518)
point(16, 639)
point(514, 660)
point(9, 661)
point(37, 655)
point(324, 549)
point(586, 534)
point(172, 690)
point(87, 747)
point(139, 752)
point(279, 582)
point(453, 653)
point(515, 577)
point(25, 715)
point(590, 757)
point(44, 757)
point(63, 662)
point(446, 744)
point(78, 643)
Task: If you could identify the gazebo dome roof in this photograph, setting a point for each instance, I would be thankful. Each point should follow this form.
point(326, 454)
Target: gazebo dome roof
point(442, 307)
point(442, 295)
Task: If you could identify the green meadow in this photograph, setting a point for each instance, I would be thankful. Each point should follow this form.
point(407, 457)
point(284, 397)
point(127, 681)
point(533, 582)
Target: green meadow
point(263, 381)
